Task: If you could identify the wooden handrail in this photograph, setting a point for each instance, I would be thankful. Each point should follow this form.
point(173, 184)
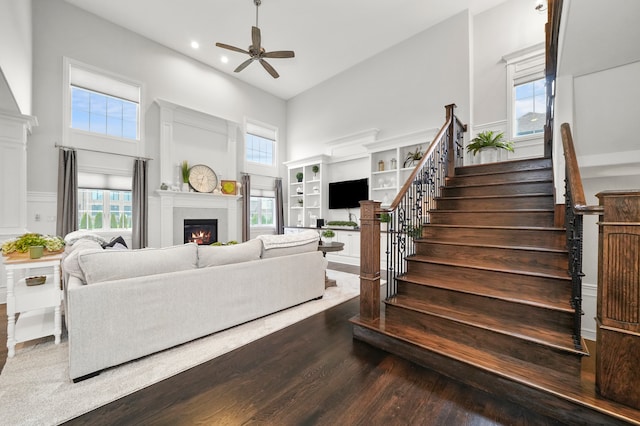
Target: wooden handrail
point(425, 157)
point(573, 174)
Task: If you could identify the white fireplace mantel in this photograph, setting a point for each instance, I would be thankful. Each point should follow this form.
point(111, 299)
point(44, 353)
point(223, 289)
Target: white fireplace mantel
point(170, 200)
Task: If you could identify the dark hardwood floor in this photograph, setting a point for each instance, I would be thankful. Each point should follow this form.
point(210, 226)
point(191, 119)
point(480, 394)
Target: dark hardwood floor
point(311, 373)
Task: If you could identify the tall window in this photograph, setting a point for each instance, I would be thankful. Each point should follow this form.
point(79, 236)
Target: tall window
point(526, 91)
point(104, 202)
point(100, 103)
point(260, 144)
point(529, 107)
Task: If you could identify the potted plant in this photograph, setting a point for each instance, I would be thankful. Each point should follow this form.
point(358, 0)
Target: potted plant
point(412, 157)
point(300, 202)
point(299, 176)
point(25, 241)
point(184, 168)
point(328, 234)
point(385, 218)
point(315, 169)
point(488, 143)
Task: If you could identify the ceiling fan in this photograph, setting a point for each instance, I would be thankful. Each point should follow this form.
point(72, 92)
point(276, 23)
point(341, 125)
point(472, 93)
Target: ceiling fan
point(256, 51)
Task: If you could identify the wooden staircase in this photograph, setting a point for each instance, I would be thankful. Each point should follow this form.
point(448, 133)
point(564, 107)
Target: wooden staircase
point(486, 296)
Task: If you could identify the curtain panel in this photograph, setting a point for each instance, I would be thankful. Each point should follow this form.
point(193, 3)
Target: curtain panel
point(139, 205)
point(67, 203)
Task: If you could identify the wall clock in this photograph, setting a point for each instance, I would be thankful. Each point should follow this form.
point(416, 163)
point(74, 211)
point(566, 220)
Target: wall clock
point(202, 178)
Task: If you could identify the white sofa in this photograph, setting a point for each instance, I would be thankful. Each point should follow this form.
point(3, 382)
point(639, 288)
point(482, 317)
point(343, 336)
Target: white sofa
point(124, 304)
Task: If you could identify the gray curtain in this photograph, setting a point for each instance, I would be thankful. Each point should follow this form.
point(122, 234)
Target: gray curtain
point(139, 208)
point(279, 207)
point(246, 207)
point(67, 211)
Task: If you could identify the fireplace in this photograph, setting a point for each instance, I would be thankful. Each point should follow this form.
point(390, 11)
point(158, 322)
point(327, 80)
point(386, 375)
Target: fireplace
point(201, 231)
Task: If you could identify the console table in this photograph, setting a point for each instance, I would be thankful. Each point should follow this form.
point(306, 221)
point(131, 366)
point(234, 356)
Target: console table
point(38, 306)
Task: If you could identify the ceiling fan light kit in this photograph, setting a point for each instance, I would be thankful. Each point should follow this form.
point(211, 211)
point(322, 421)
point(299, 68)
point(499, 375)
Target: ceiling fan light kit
point(256, 52)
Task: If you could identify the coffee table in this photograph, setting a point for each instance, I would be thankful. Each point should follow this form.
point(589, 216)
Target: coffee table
point(328, 248)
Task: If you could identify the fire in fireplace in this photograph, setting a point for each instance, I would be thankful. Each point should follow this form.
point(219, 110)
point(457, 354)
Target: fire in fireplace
point(201, 231)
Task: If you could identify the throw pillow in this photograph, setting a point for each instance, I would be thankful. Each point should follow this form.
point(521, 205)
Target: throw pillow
point(225, 255)
point(115, 240)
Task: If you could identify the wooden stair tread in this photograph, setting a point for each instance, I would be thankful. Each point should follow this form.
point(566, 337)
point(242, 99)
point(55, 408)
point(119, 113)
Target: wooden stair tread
point(480, 289)
point(515, 182)
point(499, 227)
point(555, 274)
point(498, 364)
point(495, 246)
point(514, 211)
point(531, 333)
point(492, 197)
point(504, 172)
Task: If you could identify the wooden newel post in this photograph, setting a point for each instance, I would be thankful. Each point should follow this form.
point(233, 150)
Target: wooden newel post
point(618, 312)
point(369, 260)
point(451, 144)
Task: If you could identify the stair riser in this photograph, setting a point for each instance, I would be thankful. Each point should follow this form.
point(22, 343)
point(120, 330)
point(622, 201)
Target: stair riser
point(519, 176)
point(498, 258)
point(564, 363)
point(500, 203)
point(550, 239)
point(502, 189)
point(529, 287)
point(522, 316)
point(515, 218)
point(505, 166)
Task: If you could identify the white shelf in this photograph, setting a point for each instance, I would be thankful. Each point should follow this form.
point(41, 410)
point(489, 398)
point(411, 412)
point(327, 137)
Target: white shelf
point(35, 324)
point(314, 191)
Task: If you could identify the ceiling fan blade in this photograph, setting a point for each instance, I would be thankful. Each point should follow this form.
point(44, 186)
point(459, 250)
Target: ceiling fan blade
point(235, 49)
point(280, 54)
point(243, 65)
point(256, 38)
point(269, 68)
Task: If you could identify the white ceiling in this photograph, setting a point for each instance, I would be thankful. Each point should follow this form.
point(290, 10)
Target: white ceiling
point(327, 36)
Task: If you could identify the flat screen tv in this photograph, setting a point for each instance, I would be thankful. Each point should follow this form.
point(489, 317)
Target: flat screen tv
point(348, 193)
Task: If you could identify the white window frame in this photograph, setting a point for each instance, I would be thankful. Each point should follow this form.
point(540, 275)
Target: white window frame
point(106, 182)
point(93, 141)
point(522, 66)
point(266, 131)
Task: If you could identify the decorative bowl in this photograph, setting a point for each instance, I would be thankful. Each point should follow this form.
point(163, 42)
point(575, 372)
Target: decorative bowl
point(36, 280)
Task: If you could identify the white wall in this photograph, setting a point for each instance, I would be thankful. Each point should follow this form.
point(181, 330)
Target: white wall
point(401, 90)
point(15, 55)
point(504, 29)
point(64, 30)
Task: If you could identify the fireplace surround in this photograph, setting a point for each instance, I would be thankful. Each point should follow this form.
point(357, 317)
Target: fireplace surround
point(200, 231)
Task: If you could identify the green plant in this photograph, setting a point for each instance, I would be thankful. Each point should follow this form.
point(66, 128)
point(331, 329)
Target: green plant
point(328, 233)
point(97, 221)
point(315, 168)
point(487, 139)
point(299, 176)
point(341, 223)
point(23, 242)
point(385, 217)
point(185, 171)
point(300, 202)
point(219, 243)
point(412, 157)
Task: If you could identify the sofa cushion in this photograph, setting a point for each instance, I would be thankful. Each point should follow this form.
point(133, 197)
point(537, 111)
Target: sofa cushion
point(108, 265)
point(225, 255)
point(288, 244)
point(70, 263)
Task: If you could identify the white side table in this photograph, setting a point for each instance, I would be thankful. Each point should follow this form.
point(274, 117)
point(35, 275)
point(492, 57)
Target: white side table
point(39, 306)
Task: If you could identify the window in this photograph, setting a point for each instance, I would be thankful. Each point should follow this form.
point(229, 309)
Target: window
point(263, 211)
point(259, 150)
point(526, 93)
point(99, 113)
point(100, 103)
point(104, 201)
point(260, 144)
point(529, 107)
point(104, 209)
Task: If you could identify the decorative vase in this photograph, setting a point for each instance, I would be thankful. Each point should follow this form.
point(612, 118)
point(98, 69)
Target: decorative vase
point(35, 252)
point(185, 186)
point(488, 155)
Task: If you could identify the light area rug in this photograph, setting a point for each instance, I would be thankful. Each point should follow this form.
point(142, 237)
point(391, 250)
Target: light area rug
point(35, 388)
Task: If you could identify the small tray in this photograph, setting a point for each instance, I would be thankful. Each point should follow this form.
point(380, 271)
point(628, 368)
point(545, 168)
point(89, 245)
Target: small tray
point(31, 281)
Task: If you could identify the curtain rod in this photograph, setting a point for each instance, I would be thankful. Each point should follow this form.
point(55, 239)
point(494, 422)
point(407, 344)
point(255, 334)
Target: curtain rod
point(101, 152)
point(259, 175)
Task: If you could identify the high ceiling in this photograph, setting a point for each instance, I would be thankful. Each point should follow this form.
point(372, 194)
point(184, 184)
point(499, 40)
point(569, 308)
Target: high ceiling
point(327, 36)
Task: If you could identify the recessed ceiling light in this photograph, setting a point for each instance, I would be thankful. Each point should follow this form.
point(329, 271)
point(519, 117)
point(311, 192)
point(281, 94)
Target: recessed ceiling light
point(195, 44)
point(224, 59)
